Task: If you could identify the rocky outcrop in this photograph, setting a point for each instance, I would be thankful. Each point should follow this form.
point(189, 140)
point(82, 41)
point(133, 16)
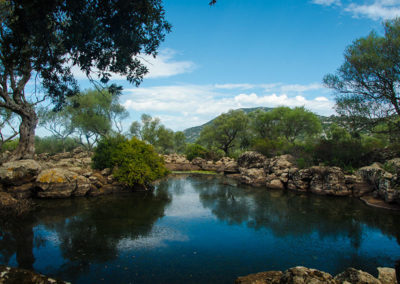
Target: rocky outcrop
point(304, 275)
point(176, 162)
point(60, 176)
point(385, 185)
point(251, 160)
point(19, 172)
point(10, 275)
point(328, 181)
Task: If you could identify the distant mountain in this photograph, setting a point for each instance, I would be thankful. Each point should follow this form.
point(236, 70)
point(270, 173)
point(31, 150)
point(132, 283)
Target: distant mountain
point(193, 133)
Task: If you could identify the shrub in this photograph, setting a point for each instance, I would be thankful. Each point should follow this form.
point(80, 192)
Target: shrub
point(106, 149)
point(10, 145)
point(133, 161)
point(195, 150)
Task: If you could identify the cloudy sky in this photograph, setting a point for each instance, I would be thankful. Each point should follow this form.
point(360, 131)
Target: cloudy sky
point(242, 53)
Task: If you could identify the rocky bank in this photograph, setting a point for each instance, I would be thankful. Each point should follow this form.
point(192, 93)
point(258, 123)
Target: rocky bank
point(303, 275)
point(373, 184)
point(62, 175)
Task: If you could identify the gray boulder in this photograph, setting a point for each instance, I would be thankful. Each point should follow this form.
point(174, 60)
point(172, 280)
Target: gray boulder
point(19, 172)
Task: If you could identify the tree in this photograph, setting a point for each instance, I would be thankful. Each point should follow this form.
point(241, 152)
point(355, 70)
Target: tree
point(42, 40)
point(225, 130)
point(367, 83)
point(179, 142)
point(153, 132)
point(93, 114)
point(58, 123)
point(292, 124)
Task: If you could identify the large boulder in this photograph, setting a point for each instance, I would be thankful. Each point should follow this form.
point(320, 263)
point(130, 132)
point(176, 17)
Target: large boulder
point(299, 180)
point(328, 181)
point(251, 159)
point(371, 174)
point(354, 276)
point(57, 183)
point(300, 275)
point(19, 172)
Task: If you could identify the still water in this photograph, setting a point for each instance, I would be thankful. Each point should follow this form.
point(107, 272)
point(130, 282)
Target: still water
point(198, 230)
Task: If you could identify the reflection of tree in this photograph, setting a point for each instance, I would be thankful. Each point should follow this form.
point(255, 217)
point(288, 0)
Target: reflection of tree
point(17, 238)
point(88, 230)
point(287, 213)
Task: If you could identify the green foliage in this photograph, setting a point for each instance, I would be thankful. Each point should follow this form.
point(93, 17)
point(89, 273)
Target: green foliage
point(224, 132)
point(195, 150)
point(9, 145)
point(137, 163)
point(366, 83)
point(164, 140)
point(134, 162)
point(106, 150)
point(54, 145)
point(297, 123)
point(390, 167)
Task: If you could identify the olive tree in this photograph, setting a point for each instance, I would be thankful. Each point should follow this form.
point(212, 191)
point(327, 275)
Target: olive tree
point(41, 41)
point(224, 132)
point(367, 84)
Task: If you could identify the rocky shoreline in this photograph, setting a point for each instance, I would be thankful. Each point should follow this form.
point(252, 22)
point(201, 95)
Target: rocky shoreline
point(372, 184)
point(300, 275)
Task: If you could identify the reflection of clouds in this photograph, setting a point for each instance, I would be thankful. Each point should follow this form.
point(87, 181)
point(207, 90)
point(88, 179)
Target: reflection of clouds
point(187, 205)
point(156, 239)
point(42, 235)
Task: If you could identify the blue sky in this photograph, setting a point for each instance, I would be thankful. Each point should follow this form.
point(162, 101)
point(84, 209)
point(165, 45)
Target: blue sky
point(242, 53)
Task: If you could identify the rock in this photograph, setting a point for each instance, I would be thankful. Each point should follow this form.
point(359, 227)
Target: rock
point(11, 206)
point(279, 164)
point(19, 172)
point(9, 275)
point(253, 176)
point(300, 275)
point(106, 172)
point(387, 275)
point(269, 277)
point(60, 156)
point(328, 181)
point(56, 183)
point(82, 186)
point(21, 191)
point(98, 180)
point(299, 180)
point(355, 276)
point(250, 159)
point(275, 184)
point(395, 164)
point(371, 174)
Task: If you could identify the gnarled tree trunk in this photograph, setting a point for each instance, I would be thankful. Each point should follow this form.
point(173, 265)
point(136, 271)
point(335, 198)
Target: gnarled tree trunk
point(26, 145)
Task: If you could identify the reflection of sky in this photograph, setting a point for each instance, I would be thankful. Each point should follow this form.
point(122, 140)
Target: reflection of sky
point(187, 205)
point(158, 237)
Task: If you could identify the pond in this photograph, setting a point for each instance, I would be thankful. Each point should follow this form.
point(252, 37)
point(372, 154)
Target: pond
point(198, 230)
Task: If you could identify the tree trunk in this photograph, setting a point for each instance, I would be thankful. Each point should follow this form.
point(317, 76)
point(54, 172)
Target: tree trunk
point(26, 145)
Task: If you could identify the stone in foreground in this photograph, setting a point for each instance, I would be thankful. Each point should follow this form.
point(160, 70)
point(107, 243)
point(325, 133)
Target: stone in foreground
point(9, 275)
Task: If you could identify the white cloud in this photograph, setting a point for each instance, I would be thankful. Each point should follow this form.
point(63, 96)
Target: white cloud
point(380, 9)
point(327, 2)
point(372, 9)
point(164, 65)
point(183, 106)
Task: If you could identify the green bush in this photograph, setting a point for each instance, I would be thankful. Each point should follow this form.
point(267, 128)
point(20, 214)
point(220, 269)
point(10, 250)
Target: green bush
point(133, 161)
point(106, 149)
point(195, 150)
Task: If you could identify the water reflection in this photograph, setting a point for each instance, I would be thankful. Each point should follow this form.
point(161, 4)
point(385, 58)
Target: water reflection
point(290, 214)
point(221, 228)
